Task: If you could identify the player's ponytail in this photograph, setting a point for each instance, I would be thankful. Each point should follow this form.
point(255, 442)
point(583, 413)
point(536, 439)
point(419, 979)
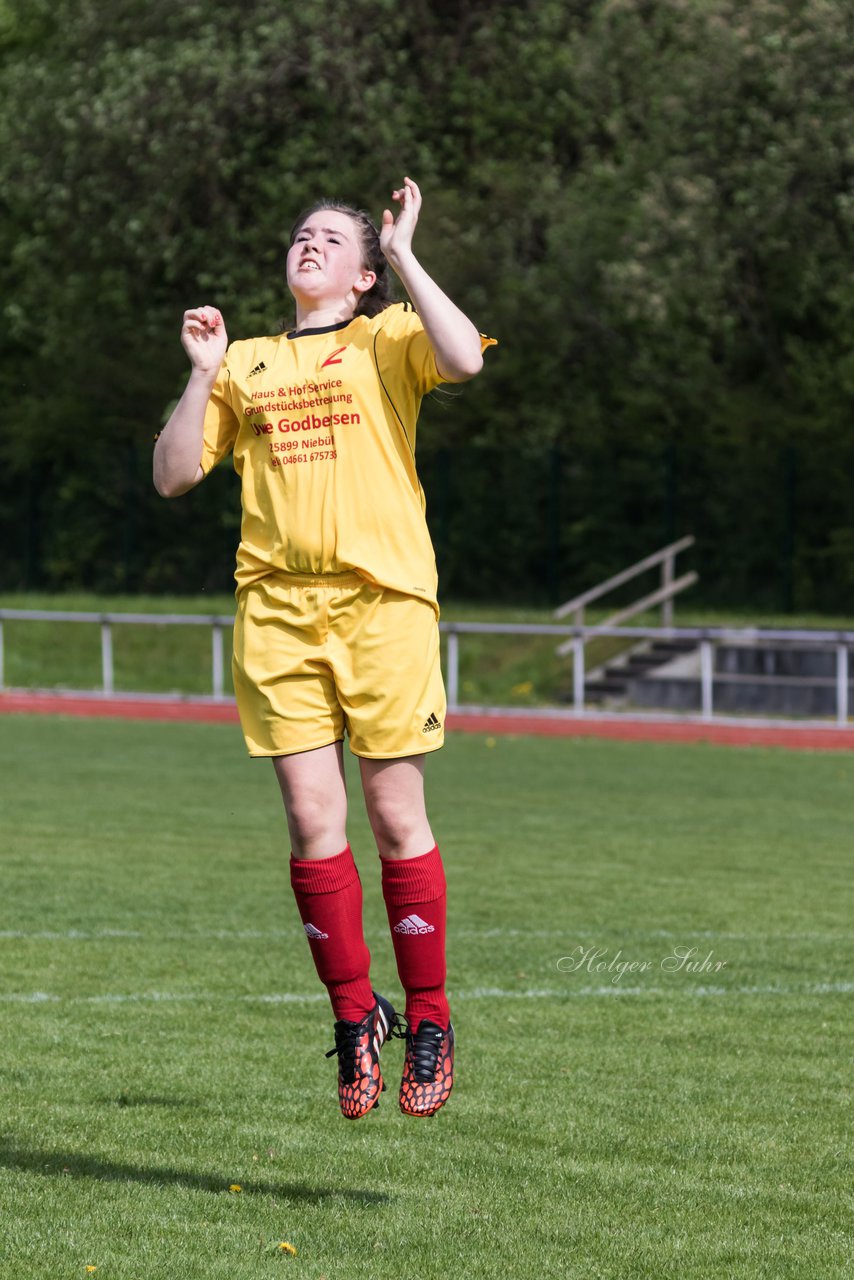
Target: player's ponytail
point(379, 296)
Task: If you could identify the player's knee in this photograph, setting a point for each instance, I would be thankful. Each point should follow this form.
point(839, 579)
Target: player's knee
point(311, 817)
point(396, 827)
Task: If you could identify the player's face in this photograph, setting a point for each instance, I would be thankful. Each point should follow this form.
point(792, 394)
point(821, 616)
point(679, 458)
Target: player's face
point(324, 263)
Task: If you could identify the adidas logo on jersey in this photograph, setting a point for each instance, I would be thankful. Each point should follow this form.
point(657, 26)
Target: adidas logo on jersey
point(413, 924)
point(431, 723)
point(259, 368)
point(312, 932)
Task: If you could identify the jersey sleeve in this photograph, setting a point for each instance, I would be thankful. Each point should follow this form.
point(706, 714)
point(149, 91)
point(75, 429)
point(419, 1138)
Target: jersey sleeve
point(409, 352)
point(221, 422)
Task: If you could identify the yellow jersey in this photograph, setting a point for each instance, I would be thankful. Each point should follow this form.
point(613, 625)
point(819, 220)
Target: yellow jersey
point(322, 428)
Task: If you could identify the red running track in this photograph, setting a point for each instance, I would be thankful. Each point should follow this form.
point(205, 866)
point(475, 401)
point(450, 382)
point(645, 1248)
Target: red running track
point(624, 729)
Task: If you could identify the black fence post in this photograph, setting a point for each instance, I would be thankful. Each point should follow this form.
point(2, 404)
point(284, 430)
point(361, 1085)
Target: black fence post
point(790, 499)
point(129, 522)
point(32, 538)
point(554, 522)
point(670, 493)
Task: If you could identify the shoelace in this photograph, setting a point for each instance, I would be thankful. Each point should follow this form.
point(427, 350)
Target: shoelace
point(398, 1028)
point(347, 1035)
point(426, 1043)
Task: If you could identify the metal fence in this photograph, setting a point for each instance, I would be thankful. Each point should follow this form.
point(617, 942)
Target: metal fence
point(219, 623)
point(706, 638)
point(577, 636)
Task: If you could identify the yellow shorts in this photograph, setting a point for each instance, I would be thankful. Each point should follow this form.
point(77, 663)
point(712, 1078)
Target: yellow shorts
point(315, 657)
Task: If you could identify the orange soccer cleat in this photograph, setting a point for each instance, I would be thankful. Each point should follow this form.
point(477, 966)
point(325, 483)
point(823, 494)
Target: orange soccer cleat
point(428, 1069)
point(358, 1045)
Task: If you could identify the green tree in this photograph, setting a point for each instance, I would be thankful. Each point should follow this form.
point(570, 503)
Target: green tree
point(647, 201)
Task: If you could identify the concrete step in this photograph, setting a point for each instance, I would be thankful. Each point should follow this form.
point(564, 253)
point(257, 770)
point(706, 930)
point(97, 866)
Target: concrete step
point(598, 690)
point(771, 695)
point(651, 661)
point(785, 660)
point(783, 680)
point(613, 680)
point(674, 646)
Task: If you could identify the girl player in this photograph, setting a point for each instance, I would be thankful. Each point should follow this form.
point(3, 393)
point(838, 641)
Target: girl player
point(336, 627)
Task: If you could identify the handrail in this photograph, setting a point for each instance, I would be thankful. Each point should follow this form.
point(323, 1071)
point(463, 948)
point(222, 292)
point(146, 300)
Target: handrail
point(665, 557)
point(140, 619)
point(660, 596)
point(731, 635)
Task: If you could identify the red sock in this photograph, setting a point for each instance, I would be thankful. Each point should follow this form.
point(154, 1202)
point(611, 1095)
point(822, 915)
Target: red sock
point(414, 892)
point(329, 896)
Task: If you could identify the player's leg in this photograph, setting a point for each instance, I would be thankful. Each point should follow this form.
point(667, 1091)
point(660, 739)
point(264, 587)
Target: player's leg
point(324, 876)
point(389, 683)
point(413, 882)
point(315, 796)
point(328, 892)
point(289, 712)
point(394, 798)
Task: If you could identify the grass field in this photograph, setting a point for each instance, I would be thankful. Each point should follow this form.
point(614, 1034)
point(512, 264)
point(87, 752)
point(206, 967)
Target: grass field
point(163, 1032)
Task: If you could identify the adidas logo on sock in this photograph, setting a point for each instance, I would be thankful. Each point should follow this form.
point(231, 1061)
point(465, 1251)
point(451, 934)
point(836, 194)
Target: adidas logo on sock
point(311, 932)
point(431, 723)
point(413, 924)
point(259, 368)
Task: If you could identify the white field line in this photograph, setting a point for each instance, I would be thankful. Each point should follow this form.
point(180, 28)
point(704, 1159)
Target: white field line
point(473, 993)
point(569, 935)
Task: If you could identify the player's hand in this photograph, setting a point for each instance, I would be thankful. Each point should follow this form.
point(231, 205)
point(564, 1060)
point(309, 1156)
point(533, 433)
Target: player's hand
point(396, 233)
point(204, 338)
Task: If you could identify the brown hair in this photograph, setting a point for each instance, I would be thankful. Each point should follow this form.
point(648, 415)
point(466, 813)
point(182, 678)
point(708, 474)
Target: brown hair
point(379, 296)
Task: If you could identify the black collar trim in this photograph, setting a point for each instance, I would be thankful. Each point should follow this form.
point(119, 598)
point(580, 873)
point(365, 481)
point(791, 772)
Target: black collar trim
point(327, 328)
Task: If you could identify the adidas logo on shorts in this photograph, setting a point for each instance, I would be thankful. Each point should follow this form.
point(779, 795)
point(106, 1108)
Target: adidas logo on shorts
point(413, 924)
point(312, 932)
point(431, 723)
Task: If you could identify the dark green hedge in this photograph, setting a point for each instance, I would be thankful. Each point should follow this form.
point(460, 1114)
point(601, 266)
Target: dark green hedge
point(649, 202)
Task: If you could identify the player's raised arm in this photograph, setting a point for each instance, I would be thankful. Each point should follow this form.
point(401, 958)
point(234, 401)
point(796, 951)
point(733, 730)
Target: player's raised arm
point(453, 337)
point(178, 451)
